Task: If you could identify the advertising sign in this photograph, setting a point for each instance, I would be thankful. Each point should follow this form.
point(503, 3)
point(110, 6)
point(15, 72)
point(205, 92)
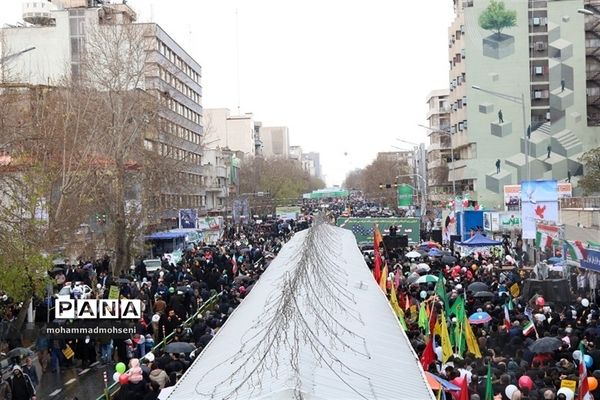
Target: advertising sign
point(363, 227)
point(209, 223)
point(187, 218)
point(591, 260)
point(508, 221)
point(449, 219)
point(405, 195)
point(287, 213)
point(512, 194)
point(539, 202)
point(501, 221)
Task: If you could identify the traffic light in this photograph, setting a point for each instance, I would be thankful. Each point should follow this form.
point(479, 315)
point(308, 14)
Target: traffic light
point(101, 218)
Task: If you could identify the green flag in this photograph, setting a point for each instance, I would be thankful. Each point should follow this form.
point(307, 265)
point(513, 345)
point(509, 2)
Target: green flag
point(509, 303)
point(423, 318)
point(460, 341)
point(458, 308)
point(489, 390)
point(440, 291)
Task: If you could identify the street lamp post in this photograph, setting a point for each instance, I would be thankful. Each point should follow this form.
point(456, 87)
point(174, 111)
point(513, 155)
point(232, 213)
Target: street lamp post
point(520, 101)
point(447, 133)
point(14, 55)
point(419, 163)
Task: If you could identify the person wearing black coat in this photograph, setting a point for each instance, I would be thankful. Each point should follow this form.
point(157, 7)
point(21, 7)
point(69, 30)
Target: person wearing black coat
point(21, 386)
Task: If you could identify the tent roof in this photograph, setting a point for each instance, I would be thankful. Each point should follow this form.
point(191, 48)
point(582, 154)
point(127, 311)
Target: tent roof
point(316, 325)
point(478, 240)
point(172, 234)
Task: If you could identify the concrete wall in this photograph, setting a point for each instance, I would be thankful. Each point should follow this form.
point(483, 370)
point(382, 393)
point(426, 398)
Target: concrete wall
point(49, 62)
point(508, 73)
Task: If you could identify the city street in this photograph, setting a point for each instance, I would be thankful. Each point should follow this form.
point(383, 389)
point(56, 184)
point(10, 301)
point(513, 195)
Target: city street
point(267, 199)
point(67, 384)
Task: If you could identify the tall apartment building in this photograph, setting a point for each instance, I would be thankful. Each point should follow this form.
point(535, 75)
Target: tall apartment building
point(59, 32)
point(295, 154)
point(275, 141)
point(235, 132)
point(519, 96)
point(439, 150)
point(313, 161)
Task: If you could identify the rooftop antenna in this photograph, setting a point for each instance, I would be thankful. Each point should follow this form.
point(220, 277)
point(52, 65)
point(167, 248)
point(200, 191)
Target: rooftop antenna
point(237, 53)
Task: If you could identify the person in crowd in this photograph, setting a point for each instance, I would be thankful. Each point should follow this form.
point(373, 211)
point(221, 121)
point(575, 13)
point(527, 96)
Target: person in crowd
point(21, 386)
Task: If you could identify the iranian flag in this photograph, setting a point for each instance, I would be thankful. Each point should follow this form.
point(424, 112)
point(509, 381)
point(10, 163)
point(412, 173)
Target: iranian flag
point(576, 250)
point(545, 235)
point(528, 328)
point(584, 389)
point(506, 318)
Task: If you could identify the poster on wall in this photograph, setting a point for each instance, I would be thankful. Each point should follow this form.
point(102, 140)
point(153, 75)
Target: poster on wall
point(512, 194)
point(449, 224)
point(539, 202)
point(187, 218)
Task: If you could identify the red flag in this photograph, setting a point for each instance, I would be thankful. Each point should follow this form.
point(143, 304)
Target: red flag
point(464, 389)
point(428, 355)
point(377, 269)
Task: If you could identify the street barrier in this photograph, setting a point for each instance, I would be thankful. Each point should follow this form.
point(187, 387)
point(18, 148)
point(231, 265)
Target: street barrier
point(115, 386)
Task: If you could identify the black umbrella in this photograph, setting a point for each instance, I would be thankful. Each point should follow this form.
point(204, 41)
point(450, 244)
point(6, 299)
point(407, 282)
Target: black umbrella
point(122, 280)
point(477, 287)
point(484, 294)
point(447, 259)
point(19, 352)
point(545, 345)
point(180, 347)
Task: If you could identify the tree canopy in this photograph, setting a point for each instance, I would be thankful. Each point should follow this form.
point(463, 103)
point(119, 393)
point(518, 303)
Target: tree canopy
point(283, 179)
point(496, 17)
point(590, 182)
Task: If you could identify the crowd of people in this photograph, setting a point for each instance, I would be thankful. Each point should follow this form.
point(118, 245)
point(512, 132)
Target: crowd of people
point(531, 346)
point(221, 274)
point(501, 360)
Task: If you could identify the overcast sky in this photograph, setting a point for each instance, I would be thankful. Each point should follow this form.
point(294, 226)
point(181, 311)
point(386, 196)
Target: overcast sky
point(346, 76)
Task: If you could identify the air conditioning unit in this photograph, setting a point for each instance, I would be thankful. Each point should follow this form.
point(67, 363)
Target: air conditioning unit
point(536, 21)
point(540, 46)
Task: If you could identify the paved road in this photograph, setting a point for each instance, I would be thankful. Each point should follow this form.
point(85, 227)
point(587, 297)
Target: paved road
point(84, 384)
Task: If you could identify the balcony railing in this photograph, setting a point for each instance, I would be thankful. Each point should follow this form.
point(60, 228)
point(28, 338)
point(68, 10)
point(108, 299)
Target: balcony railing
point(581, 202)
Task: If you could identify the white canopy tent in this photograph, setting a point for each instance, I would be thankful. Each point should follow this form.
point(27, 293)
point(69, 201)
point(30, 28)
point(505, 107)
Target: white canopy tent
point(315, 326)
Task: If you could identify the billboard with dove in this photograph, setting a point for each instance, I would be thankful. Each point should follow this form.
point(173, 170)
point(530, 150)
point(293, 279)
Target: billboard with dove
point(539, 203)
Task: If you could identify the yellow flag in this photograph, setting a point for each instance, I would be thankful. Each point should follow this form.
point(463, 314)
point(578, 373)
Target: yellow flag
point(514, 290)
point(397, 309)
point(446, 345)
point(383, 280)
point(472, 344)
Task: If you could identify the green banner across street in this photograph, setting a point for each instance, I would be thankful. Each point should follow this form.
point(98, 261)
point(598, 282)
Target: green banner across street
point(363, 227)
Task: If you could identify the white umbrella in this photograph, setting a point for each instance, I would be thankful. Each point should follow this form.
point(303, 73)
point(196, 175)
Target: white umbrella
point(413, 254)
point(422, 267)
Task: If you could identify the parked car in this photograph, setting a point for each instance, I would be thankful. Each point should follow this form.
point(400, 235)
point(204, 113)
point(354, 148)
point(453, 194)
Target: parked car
point(152, 265)
point(80, 290)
